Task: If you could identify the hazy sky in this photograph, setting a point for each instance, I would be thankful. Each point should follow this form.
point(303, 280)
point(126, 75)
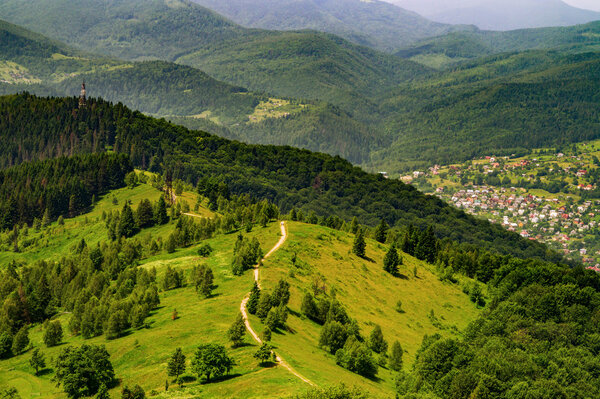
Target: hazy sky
point(587, 4)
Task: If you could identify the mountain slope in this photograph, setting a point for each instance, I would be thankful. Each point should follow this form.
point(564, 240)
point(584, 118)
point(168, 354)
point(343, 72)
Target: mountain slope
point(458, 46)
point(290, 64)
point(374, 23)
point(501, 15)
point(499, 105)
point(290, 177)
point(33, 63)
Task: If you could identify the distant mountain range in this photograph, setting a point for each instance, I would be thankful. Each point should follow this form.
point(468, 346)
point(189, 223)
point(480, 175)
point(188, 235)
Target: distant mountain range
point(500, 14)
point(374, 23)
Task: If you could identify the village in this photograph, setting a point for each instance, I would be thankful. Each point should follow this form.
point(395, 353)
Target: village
point(549, 196)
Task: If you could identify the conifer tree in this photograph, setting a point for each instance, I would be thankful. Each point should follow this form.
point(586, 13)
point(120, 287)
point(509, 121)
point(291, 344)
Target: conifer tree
point(252, 304)
point(397, 352)
point(46, 218)
point(359, 245)
point(21, 340)
point(381, 231)
point(376, 341)
point(237, 331)
point(391, 261)
point(354, 225)
point(176, 364)
point(160, 214)
point(127, 225)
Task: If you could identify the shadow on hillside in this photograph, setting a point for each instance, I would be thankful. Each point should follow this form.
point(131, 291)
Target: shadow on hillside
point(188, 378)
point(227, 377)
point(370, 260)
point(268, 365)
point(45, 371)
point(401, 276)
point(243, 345)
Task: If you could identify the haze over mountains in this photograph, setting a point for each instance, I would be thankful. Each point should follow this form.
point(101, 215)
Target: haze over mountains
point(371, 23)
point(392, 112)
point(501, 14)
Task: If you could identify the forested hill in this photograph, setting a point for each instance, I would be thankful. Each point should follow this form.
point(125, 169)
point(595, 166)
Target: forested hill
point(34, 128)
point(375, 24)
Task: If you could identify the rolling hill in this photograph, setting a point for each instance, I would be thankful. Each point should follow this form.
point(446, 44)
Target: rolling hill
point(306, 65)
point(375, 23)
point(39, 65)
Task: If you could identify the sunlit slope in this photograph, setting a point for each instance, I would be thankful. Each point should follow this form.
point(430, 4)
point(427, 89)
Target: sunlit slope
point(369, 295)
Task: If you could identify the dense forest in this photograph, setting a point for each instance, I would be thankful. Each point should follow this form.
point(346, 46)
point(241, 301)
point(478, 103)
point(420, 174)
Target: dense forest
point(57, 187)
point(41, 128)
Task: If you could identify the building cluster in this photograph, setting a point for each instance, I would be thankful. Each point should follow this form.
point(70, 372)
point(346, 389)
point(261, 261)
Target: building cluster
point(563, 227)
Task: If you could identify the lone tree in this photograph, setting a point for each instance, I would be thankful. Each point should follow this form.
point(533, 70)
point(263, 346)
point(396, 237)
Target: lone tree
point(136, 393)
point(53, 333)
point(391, 261)
point(359, 245)
point(176, 364)
point(263, 354)
point(37, 361)
point(381, 231)
point(21, 340)
point(396, 356)
point(211, 360)
point(237, 331)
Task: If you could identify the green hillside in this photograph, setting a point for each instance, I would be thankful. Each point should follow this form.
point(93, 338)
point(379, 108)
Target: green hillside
point(457, 46)
point(139, 358)
point(35, 64)
point(304, 65)
point(290, 177)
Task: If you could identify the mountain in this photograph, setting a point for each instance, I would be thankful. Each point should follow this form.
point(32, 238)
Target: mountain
point(498, 105)
point(306, 65)
point(459, 46)
point(39, 65)
point(370, 23)
point(501, 15)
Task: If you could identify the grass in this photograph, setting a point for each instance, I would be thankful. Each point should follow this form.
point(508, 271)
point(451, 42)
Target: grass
point(369, 294)
point(274, 108)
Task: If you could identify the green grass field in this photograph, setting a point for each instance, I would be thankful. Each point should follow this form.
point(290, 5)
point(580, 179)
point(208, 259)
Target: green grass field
point(369, 294)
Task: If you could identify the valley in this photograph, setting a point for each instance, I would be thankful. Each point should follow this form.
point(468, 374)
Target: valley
point(298, 199)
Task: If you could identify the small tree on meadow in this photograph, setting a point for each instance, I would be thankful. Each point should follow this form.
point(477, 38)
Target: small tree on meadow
point(359, 245)
point(160, 213)
point(391, 261)
point(37, 361)
point(252, 304)
point(396, 354)
point(211, 360)
point(263, 354)
point(53, 333)
point(176, 364)
point(237, 331)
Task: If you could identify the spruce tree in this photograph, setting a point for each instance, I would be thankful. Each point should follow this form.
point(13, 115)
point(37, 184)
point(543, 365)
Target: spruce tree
point(381, 231)
point(176, 364)
point(376, 341)
point(252, 304)
point(391, 261)
point(237, 331)
point(359, 245)
point(127, 225)
point(46, 218)
point(396, 356)
point(160, 214)
point(354, 225)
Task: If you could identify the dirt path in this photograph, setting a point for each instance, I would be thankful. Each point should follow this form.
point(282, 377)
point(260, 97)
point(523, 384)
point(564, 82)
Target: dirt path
point(281, 361)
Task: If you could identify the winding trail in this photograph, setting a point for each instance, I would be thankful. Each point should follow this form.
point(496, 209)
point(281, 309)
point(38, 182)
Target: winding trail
point(279, 359)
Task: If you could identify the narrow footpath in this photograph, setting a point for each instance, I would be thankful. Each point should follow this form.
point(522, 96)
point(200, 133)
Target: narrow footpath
point(281, 361)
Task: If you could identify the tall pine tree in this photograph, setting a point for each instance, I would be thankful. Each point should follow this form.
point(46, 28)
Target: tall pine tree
point(359, 245)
